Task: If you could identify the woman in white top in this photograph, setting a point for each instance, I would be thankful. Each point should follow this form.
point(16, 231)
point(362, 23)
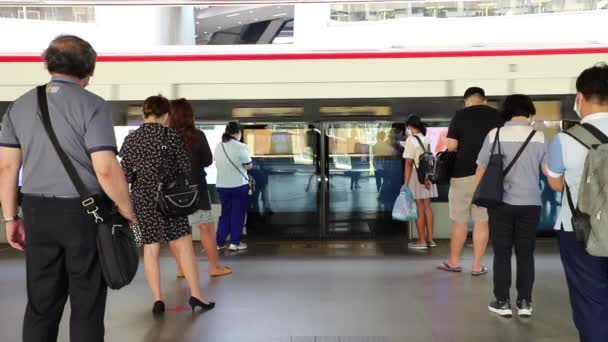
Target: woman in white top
point(232, 161)
point(416, 144)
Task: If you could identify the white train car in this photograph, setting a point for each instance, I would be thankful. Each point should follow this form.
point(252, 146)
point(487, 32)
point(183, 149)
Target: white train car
point(319, 74)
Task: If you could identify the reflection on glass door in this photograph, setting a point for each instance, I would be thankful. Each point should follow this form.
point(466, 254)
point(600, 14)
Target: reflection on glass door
point(287, 174)
point(365, 174)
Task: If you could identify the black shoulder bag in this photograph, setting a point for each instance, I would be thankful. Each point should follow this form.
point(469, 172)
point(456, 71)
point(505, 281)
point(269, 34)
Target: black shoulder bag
point(118, 254)
point(178, 197)
point(248, 178)
point(489, 192)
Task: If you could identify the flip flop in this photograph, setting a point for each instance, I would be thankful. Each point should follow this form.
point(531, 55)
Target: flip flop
point(483, 271)
point(227, 271)
point(446, 267)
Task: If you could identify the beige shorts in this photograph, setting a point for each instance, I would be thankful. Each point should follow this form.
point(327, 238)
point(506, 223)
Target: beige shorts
point(461, 198)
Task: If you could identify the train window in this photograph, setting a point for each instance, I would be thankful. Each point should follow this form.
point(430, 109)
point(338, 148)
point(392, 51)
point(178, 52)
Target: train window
point(359, 110)
point(265, 112)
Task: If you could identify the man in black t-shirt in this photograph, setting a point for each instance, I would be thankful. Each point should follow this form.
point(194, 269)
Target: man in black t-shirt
point(466, 134)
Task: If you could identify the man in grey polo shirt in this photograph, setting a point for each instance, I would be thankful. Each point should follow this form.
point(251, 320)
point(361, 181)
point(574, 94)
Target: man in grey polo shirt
point(57, 235)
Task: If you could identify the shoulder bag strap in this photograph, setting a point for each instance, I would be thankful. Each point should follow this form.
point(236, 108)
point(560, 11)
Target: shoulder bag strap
point(586, 135)
point(599, 135)
point(162, 170)
point(569, 197)
point(88, 202)
point(521, 150)
point(496, 142)
point(233, 164)
point(420, 143)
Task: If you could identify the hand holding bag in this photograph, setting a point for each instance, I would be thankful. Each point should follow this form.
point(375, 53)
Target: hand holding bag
point(489, 192)
point(405, 208)
point(118, 254)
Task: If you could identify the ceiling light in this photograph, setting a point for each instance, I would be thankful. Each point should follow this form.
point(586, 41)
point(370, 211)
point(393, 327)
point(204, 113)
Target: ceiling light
point(233, 15)
point(219, 27)
point(204, 32)
point(256, 19)
point(279, 14)
point(198, 22)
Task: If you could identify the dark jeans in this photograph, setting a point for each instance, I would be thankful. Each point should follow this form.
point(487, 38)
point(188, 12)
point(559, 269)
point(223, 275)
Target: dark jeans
point(514, 226)
point(235, 202)
point(587, 278)
point(62, 261)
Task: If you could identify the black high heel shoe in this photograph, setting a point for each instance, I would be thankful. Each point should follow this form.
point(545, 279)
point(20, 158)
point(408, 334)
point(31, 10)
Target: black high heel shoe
point(195, 302)
point(159, 307)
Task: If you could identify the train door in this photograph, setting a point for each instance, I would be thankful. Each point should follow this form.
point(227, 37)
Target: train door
point(363, 170)
point(287, 202)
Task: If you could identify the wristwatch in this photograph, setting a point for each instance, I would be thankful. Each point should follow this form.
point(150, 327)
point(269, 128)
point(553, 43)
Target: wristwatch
point(11, 219)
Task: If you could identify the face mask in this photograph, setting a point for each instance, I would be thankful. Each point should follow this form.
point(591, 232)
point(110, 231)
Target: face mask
point(576, 108)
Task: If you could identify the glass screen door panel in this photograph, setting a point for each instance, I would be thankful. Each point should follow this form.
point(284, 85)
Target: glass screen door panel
point(287, 172)
point(365, 174)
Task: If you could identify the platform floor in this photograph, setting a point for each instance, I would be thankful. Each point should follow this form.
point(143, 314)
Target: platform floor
point(296, 291)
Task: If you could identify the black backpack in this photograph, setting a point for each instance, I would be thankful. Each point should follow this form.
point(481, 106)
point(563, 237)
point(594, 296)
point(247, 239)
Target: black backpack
point(426, 163)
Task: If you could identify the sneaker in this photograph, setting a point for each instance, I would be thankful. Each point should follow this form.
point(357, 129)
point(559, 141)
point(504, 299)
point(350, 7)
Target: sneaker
point(219, 248)
point(431, 243)
point(239, 247)
point(501, 307)
point(524, 309)
point(414, 245)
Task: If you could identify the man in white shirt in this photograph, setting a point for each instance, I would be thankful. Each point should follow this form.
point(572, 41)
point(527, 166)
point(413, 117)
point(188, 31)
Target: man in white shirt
point(587, 275)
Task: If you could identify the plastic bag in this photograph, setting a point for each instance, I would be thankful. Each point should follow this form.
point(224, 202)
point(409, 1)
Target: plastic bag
point(405, 206)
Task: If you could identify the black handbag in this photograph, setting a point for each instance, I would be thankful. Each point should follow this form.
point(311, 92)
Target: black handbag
point(489, 192)
point(178, 197)
point(118, 254)
point(444, 167)
point(250, 180)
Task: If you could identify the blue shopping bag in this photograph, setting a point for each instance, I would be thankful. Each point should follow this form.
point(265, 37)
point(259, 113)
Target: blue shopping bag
point(405, 207)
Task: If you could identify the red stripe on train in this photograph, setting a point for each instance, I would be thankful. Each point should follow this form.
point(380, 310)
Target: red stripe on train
point(318, 55)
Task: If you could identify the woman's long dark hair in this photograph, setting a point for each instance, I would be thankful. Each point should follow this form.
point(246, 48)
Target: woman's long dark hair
point(181, 118)
point(232, 128)
point(416, 122)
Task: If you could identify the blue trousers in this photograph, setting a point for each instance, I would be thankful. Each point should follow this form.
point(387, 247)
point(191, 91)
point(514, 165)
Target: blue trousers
point(587, 278)
point(235, 202)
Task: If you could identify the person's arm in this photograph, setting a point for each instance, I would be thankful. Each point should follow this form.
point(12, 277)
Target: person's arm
point(483, 158)
point(409, 165)
point(184, 165)
point(245, 158)
point(100, 142)
point(409, 153)
point(205, 150)
point(10, 164)
point(554, 167)
point(453, 134)
point(452, 145)
point(479, 174)
point(113, 181)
